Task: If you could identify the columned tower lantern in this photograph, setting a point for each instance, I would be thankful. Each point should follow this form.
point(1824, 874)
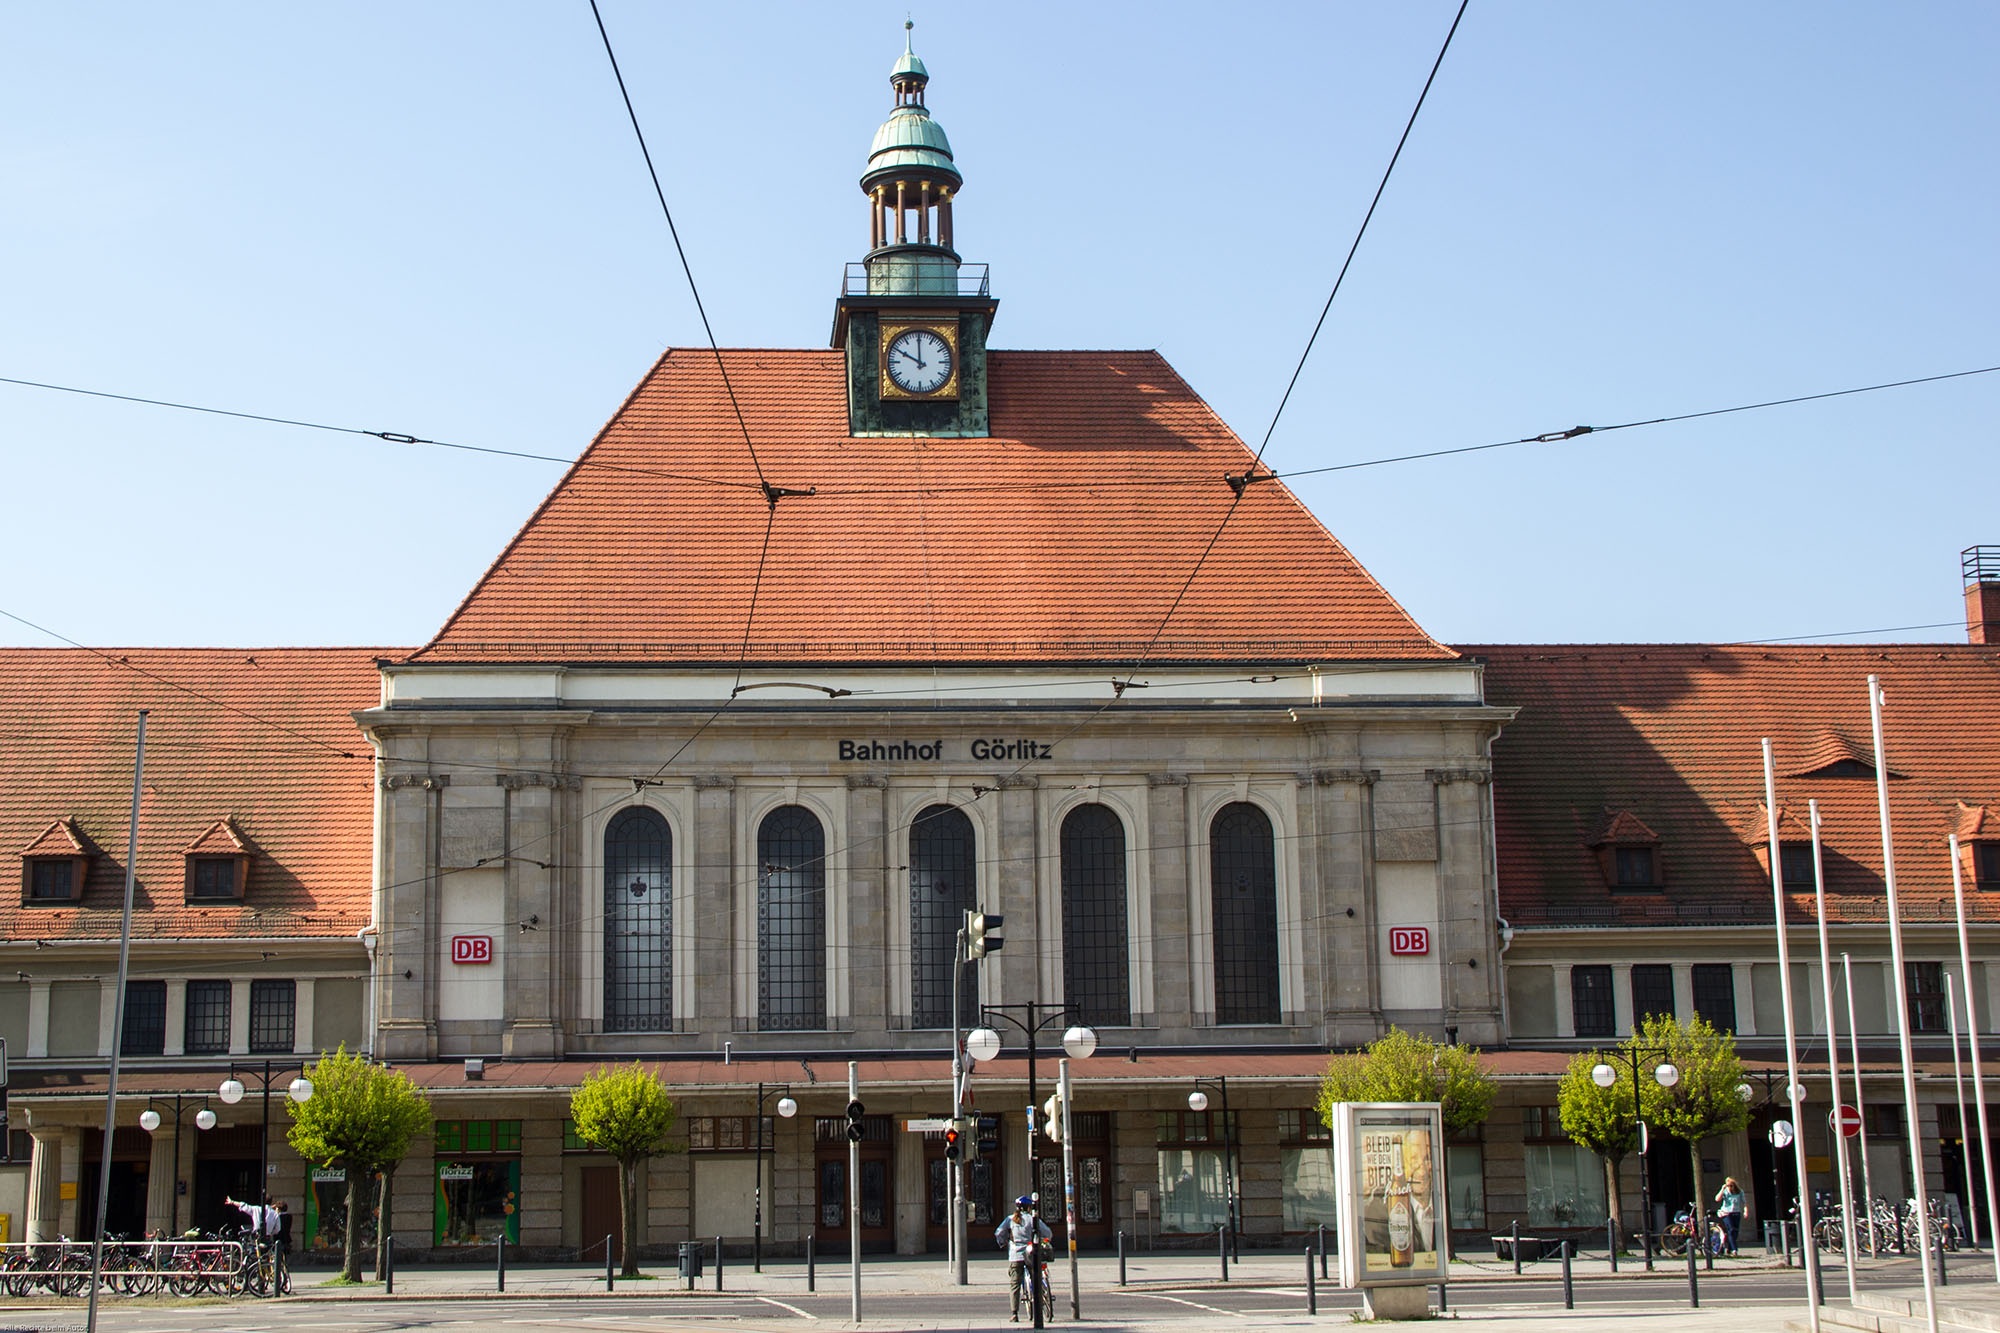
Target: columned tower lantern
point(912, 317)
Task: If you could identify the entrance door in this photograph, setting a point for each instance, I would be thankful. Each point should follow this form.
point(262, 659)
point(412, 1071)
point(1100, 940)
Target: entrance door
point(983, 1175)
point(1090, 1161)
point(877, 1220)
point(599, 1208)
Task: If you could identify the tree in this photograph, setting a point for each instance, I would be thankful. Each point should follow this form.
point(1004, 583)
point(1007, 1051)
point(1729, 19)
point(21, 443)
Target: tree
point(1600, 1119)
point(361, 1117)
point(1703, 1102)
point(1401, 1066)
point(626, 1113)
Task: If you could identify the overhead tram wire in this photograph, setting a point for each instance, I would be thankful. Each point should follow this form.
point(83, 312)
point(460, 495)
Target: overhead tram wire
point(1240, 484)
point(771, 493)
point(393, 437)
point(1012, 488)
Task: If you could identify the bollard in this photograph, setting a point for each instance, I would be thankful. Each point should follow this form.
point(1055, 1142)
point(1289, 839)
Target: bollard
point(1222, 1247)
point(1322, 1249)
point(1940, 1251)
point(812, 1252)
point(388, 1265)
point(1444, 1301)
point(1569, 1291)
point(1121, 1258)
point(1818, 1277)
point(610, 1282)
point(1694, 1287)
point(718, 1263)
point(1611, 1241)
point(1706, 1225)
point(1513, 1243)
point(1312, 1284)
point(1646, 1242)
point(500, 1265)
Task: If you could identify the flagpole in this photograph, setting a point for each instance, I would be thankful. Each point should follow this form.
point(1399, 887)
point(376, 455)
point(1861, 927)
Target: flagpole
point(1901, 988)
point(1794, 1090)
point(1860, 1105)
point(1972, 1040)
point(1832, 1055)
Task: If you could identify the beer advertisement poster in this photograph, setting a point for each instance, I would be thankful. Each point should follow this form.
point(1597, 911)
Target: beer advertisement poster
point(1389, 1163)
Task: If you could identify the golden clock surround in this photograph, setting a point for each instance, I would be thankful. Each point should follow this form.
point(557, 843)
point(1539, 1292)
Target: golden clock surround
point(894, 327)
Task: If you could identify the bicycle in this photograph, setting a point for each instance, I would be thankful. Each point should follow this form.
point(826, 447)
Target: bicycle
point(1045, 1291)
point(1675, 1240)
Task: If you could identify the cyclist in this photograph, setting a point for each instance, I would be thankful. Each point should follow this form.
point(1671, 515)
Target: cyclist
point(1021, 1231)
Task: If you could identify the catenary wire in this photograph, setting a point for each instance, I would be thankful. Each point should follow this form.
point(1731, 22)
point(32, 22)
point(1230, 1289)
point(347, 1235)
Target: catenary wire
point(1360, 232)
point(660, 192)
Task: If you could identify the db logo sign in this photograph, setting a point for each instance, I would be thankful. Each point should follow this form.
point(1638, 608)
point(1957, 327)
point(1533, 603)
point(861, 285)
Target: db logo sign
point(1409, 939)
point(472, 948)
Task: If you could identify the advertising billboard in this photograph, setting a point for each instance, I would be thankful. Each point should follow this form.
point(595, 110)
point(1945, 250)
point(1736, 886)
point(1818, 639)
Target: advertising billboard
point(1389, 1165)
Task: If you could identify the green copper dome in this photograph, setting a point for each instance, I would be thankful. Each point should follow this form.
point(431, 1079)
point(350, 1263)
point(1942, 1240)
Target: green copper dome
point(910, 143)
point(909, 67)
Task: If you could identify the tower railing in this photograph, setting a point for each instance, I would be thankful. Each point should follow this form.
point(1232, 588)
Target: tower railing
point(973, 280)
point(1981, 564)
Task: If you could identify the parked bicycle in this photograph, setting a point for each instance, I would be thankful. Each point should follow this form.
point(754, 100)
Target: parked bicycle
point(1674, 1241)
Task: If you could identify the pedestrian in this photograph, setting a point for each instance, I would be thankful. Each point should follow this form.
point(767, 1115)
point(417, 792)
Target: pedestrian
point(1022, 1232)
point(260, 1220)
point(1729, 1209)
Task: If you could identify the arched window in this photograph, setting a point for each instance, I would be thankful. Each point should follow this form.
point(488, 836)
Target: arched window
point(943, 887)
point(638, 922)
point(791, 920)
point(1243, 893)
point(1095, 983)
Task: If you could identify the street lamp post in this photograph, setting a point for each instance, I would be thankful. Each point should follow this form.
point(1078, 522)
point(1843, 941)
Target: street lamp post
point(1666, 1075)
point(1198, 1101)
point(1772, 1080)
point(786, 1108)
point(300, 1089)
point(149, 1120)
point(984, 1043)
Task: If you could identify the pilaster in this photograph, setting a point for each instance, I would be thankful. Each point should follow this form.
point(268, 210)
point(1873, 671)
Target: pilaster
point(713, 913)
point(406, 1027)
point(1342, 823)
point(534, 1030)
point(1021, 962)
point(866, 957)
point(45, 1165)
point(1173, 979)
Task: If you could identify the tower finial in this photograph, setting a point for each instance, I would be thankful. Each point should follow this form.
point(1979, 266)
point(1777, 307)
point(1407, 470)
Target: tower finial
point(908, 23)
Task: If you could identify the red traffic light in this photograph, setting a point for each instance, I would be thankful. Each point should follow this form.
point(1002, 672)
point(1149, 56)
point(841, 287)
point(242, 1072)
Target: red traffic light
point(952, 1149)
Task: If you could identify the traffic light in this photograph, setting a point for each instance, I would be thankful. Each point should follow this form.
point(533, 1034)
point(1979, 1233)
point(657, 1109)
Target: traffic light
point(1052, 1117)
point(989, 1135)
point(854, 1114)
point(953, 1149)
point(982, 934)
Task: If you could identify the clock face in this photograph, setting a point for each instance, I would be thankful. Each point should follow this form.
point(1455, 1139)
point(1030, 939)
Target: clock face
point(919, 361)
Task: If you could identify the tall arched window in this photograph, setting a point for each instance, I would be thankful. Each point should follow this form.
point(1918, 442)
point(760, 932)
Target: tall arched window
point(638, 922)
point(1243, 893)
point(791, 920)
point(943, 887)
point(1095, 983)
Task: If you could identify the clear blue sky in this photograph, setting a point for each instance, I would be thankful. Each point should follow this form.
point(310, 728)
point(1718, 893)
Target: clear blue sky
point(432, 218)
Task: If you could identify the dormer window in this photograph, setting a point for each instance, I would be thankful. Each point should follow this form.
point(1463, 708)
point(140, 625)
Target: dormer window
point(1628, 853)
point(53, 866)
point(1795, 865)
point(1986, 865)
point(218, 865)
point(1636, 866)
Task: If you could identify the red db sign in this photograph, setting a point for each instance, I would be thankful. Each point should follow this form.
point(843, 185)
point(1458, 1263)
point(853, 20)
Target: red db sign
point(1409, 939)
point(472, 948)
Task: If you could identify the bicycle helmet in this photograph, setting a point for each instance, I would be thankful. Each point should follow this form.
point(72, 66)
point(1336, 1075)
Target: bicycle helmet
point(1024, 1202)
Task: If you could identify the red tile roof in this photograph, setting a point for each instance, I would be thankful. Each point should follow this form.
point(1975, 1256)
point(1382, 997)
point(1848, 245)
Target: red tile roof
point(1067, 536)
point(263, 735)
point(1670, 733)
point(58, 839)
point(218, 839)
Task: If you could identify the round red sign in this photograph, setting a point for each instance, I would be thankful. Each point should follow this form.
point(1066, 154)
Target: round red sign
point(1846, 1119)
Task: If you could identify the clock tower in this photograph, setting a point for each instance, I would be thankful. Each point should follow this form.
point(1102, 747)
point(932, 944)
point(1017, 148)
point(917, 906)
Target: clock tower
point(911, 317)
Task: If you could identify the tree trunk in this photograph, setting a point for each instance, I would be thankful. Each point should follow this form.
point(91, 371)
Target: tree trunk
point(350, 1257)
point(1612, 1197)
point(383, 1239)
point(1698, 1219)
point(628, 1208)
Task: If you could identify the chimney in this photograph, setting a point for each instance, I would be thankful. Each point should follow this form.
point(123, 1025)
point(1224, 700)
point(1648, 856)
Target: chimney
point(1982, 593)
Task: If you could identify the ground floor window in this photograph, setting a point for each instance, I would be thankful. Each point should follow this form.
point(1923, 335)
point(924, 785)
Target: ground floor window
point(478, 1202)
point(1305, 1156)
point(326, 1211)
point(1465, 1183)
point(1191, 1190)
point(1565, 1185)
